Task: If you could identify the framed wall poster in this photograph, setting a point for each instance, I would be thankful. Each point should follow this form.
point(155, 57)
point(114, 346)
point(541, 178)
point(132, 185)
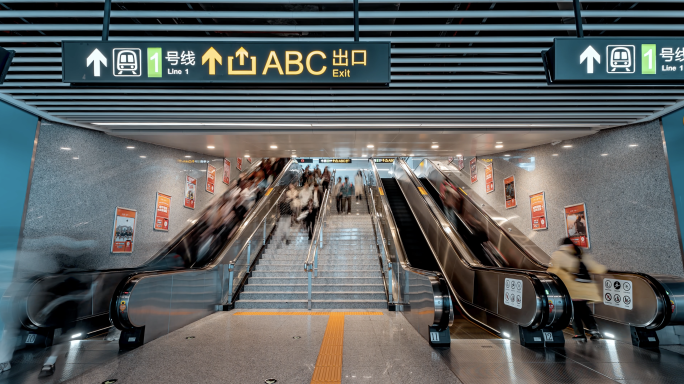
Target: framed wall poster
point(509, 192)
point(460, 163)
point(123, 234)
point(576, 226)
point(211, 178)
point(538, 211)
point(162, 212)
point(473, 170)
point(190, 192)
point(239, 164)
point(249, 159)
point(489, 178)
point(226, 171)
point(451, 160)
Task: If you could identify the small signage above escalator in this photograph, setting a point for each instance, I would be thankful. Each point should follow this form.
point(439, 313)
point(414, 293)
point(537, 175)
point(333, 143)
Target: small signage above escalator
point(384, 159)
point(335, 161)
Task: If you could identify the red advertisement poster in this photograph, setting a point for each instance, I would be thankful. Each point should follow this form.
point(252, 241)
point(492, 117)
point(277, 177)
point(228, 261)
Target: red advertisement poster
point(211, 178)
point(124, 230)
point(162, 212)
point(489, 178)
point(538, 211)
point(226, 171)
point(460, 163)
point(509, 192)
point(249, 160)
point(473, 170)
point(576, 225)
point(239, 164)
point(190, 192)
point(451, 160)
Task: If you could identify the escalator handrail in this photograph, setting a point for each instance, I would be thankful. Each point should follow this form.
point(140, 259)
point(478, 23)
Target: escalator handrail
point(660, 320)
point(379, 233)
point(323, 210)
point(453, 241)
point(394, 232)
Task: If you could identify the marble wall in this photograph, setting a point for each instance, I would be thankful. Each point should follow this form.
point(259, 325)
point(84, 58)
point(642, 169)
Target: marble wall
point(620, 174)
point(75, 191)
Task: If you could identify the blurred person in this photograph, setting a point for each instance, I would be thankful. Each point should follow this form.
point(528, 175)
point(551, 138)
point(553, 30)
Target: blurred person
point(449, 197)
point(347, 190)
point(358, 185)
point(292, 199)
point(305, 194)
point(317, 175)
point(326, 178)
point(310, 218)
point(337, 193)
point(574, 268)
point(317, 197)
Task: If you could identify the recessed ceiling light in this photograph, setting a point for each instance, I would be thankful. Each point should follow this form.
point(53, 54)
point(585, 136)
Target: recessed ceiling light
point(555, 154)
point(370, 146)
point(294, 155)
point(75, 158)
point(210, 147)
point(634, 145)
point(274, 147)
point(499, 142)
point(246, 155)
point(188, 156)
point(458, 154)
point(507, 155)
point(411, 154)
point(498, 146)
point(604, 154)
point(567, 146)
point(65, 149)
point(130, 147)
point(143, 157)
point(435, 146)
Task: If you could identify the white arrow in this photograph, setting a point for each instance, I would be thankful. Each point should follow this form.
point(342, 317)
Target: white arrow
point(98, 58)
point(590, 54)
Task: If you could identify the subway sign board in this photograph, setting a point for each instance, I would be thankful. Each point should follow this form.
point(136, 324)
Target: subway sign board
point(621, 60)
point(92, 62)
point(384, 159)
point(336, 161)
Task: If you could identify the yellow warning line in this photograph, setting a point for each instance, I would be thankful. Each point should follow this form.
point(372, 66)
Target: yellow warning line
point(328, 368)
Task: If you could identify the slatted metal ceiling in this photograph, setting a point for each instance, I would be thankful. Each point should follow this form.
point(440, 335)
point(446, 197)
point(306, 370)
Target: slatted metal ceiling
point(454, 64)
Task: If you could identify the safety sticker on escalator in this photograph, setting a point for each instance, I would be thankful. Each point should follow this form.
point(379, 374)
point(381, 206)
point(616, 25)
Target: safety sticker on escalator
point(617, 293)
point(513, 293)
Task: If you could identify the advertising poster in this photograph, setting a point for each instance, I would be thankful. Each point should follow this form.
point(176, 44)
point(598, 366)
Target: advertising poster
point(576, 225)
point(460, 163)
point(473, 170)
point(190, 192)
point(226, 171)
point(124, 230)
point(211, 178)
point(451, 160)
point(162, 212)
point(538, 211)
point(249, 160)
point(239, 164)
point(489, 178)
point(509, 192)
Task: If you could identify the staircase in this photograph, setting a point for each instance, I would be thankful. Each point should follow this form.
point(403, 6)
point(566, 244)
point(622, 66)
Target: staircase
point(349, 274)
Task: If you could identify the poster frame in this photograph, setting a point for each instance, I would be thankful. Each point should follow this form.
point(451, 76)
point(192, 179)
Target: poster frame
point(514, 191)
point(156, 210)
point(223, 177)
point(135, 224)
point(546, 212)
point(491, 166)
point(185, 193)
point(206, 187)
point(461, 164)
point(473, 178)
point(238, 163)
point(586, 218)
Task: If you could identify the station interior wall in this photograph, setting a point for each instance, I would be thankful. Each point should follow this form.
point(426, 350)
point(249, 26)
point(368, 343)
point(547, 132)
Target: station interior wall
point(74, 194)
point(631, 218)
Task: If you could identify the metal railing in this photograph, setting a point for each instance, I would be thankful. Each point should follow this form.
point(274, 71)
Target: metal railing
point(381, 241)
point(311, 263)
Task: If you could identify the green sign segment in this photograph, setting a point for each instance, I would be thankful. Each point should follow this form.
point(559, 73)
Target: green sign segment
point(86, 62)
point(616, 60)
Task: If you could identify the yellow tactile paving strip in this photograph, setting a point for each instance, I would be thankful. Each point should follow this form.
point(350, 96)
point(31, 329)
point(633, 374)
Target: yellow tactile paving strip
point(328, 368)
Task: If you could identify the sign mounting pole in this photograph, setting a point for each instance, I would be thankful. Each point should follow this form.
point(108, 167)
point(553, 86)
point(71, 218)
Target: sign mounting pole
point(356, 20)
point(578, 18)
point(105, 21)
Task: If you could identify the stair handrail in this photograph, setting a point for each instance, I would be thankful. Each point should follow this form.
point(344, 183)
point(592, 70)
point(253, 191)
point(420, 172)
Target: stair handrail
point(380, 237)
point(311, 263)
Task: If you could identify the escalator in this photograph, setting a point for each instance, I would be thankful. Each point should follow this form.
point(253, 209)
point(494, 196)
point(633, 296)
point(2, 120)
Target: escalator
point(28, 302)
point(655, 301)
point(532, 307)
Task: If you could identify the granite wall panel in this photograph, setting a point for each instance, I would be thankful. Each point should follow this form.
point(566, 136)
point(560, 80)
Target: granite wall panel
point(620, 174)
point(75, 191)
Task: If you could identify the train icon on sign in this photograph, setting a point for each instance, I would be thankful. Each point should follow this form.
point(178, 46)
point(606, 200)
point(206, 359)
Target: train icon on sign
point(127, 62)
point(620, 59)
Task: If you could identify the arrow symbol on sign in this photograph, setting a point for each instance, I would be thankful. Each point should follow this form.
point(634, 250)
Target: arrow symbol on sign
point(98, 58)
point(590, 55)
point(242, 53)
point(212, 56)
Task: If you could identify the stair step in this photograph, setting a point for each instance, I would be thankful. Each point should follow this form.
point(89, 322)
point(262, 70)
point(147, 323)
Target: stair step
point(318, 304)
point(330, 267)
point(375, 273)
point(317, 287)
point(302, 295)
point(268, 280)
